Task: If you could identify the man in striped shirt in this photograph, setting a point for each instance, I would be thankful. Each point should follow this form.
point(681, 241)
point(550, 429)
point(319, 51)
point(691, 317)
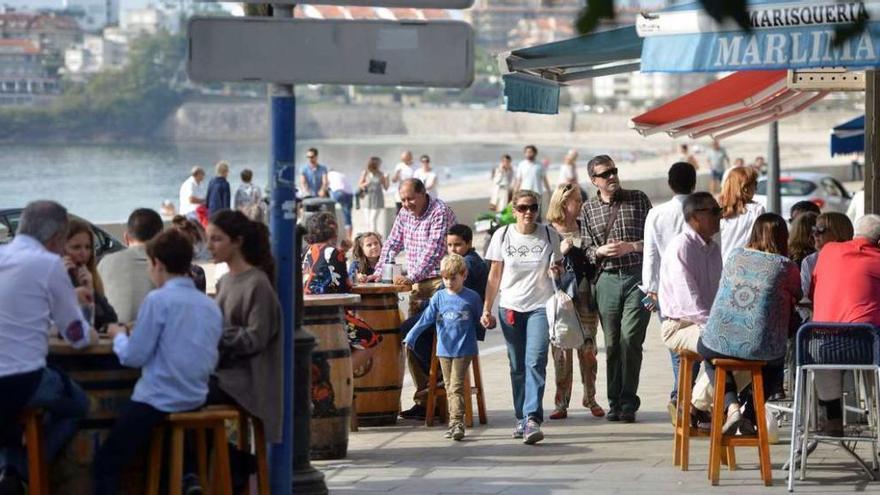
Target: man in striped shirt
point(420, 230)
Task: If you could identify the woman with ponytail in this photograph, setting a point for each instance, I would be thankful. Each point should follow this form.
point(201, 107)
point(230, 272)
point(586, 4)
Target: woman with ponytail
point(249, 372)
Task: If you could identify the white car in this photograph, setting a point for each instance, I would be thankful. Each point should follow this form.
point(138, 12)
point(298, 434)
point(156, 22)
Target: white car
point(822, 189)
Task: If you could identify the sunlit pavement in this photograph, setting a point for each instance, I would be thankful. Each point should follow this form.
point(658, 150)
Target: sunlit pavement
point(581, 454)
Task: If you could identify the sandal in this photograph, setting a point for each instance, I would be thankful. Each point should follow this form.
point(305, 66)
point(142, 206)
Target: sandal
point(559, 414)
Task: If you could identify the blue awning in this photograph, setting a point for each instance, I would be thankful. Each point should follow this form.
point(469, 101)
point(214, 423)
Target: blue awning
point(848, 137)
point(536, 70)
point(786, 34)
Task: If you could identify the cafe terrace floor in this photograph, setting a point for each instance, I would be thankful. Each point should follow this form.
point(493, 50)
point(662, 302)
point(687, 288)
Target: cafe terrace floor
point(580, 455)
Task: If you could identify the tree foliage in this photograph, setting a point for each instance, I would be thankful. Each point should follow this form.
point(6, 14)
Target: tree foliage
point(131, 102)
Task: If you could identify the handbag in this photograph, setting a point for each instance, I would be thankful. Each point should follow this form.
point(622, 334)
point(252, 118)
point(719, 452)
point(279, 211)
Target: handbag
point(592, 302)
point(566, 331)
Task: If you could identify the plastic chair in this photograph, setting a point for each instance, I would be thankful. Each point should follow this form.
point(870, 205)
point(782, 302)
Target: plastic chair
point(839, 347)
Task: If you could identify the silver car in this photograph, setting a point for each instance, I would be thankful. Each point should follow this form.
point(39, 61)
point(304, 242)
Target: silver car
point(822, 189)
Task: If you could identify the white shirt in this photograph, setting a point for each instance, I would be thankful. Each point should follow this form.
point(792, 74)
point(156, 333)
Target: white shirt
point(567, 173)
point(35, 293)
point(337, 181)
point(428, 178)
point(735, 232)
point(525, 283)
point(662, 224)
point(531, 176)
point(188, 189)
point(405, 172)
point(856, 208)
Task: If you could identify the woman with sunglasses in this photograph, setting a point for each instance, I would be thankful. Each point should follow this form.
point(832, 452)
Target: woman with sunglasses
point(524, 258)
point(830, 227)
point(563, 213)
point(738, 211)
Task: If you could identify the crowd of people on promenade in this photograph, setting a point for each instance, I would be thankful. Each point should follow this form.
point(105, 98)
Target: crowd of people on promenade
point(725, 278)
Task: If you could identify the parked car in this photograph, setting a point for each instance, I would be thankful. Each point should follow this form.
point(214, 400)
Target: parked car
point(822, 189)
point(105, 244)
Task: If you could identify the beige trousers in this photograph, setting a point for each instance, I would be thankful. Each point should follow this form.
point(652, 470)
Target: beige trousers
point(454, 374)
point(680, 335)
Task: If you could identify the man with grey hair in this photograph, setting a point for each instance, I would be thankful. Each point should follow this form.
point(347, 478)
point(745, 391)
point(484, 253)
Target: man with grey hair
point(36, 294)
point(193, 193)
point(689, 274)
point(846, 282)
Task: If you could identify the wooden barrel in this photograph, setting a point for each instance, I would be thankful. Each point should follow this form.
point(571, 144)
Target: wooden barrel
point(378, 383)
point(331, 374)
point(108, 386)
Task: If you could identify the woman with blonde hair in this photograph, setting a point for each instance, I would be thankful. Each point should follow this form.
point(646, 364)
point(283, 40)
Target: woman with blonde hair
point(79, 259)
point(738, 211)
point(563, 213)
point(373, 184)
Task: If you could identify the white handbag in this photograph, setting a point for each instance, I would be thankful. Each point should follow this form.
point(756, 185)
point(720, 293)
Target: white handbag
point(566, 331)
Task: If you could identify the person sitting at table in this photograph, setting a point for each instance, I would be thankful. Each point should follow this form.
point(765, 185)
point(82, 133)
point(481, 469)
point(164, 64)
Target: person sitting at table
point(188, 228)
point(126, 282)
point(365, 257)
point(35, 293)
point(174, 342)
point(79, 260)
point(324, 273)
point(751, 316)
point(249, 373)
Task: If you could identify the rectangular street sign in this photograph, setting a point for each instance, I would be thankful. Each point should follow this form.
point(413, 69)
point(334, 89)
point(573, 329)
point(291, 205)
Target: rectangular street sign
point(417, 4)
point(311, 51)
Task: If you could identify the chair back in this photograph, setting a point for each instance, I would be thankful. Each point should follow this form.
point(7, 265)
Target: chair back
point(820, 343)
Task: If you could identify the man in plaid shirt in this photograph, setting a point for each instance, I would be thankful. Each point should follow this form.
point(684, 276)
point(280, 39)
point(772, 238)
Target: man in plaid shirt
point(619, 259)
point(419, 229)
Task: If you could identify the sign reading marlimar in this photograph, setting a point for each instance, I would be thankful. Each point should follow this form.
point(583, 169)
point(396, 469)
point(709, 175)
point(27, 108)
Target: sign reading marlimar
point(417, 4)
point(335, 51)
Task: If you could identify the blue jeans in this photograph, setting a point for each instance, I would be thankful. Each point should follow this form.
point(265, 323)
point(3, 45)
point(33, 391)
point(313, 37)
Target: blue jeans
point(345, 200)
point(63, 403)
point(528, 342)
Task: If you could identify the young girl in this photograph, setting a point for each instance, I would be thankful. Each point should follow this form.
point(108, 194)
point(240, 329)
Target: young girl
point(249, 372)
point(365, 257)
point(79, 259)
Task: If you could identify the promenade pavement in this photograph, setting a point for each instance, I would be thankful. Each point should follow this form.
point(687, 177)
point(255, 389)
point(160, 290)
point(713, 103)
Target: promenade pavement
point(580, 455)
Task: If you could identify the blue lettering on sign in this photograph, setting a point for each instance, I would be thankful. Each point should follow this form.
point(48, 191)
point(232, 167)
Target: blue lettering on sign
point(792, 48)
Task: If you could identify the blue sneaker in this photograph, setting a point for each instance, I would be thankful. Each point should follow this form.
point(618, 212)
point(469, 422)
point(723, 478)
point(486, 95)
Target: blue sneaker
point(518, 429)
point(533, 433)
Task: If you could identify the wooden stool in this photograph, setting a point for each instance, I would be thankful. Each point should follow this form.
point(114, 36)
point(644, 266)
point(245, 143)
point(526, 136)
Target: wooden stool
point(38, 469)
point(259, 449)
point(435, 392)
point(722, 367)
point(207, 419)
point(683, 429)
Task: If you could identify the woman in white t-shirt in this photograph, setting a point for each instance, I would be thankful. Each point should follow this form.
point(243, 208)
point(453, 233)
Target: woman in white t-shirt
point(427, 176)
point(523, 256)
point(738, 211)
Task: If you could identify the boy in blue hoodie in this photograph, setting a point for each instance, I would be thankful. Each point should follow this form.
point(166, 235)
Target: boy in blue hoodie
point(456, 312)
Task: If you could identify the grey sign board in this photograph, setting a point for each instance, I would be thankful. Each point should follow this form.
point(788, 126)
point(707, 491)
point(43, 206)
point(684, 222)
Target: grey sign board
point(418, 4)
point(309, 51)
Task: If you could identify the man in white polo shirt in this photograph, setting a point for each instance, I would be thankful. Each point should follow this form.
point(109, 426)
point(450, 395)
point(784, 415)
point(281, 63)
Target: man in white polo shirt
point(193, 192)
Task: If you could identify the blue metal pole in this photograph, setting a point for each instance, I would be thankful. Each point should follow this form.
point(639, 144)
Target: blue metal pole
point(282, 224)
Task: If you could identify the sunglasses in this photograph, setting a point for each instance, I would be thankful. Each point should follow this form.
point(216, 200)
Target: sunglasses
point(819, 230)
point(715, 210)
point(606, 174)
point(524, 208)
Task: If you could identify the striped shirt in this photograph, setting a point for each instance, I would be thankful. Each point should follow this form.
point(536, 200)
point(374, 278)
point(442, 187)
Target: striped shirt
point(629, 226)
point(423, 238)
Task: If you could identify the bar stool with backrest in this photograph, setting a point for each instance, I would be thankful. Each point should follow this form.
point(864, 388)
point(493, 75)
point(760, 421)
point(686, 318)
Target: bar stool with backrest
point(683, 429)
point(760, 440)
point(438, 394)
point(833, 346)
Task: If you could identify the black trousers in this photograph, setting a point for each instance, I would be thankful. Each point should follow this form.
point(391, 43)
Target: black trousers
point(129, 435)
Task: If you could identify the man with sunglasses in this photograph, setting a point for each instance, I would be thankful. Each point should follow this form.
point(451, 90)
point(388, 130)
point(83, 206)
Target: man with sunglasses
point(690, 273)
point(612, 227)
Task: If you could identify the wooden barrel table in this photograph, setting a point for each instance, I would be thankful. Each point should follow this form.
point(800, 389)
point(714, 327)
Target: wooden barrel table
point(378, 383)
point(108, 386)
point(324, 318)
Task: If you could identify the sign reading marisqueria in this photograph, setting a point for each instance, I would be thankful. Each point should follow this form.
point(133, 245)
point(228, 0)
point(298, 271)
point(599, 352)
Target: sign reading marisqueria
point(785, 35)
